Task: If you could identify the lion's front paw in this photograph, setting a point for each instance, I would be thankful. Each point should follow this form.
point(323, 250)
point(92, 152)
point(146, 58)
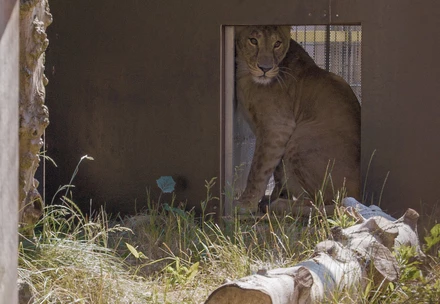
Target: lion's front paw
point(243, 207)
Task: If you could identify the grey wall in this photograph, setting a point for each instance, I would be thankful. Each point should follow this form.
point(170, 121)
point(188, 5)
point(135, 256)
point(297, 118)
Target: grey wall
point(9, 150)
point(137, 86)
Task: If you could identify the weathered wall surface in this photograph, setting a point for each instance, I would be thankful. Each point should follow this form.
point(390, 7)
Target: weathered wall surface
point(401, 109)
point(139, 89)
point(34, 116)
point(9, 11)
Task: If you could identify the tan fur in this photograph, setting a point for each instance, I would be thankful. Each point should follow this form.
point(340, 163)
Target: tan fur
point(303, 118)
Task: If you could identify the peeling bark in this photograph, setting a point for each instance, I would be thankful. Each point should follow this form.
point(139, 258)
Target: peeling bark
point(343, 264)
point(34, 115)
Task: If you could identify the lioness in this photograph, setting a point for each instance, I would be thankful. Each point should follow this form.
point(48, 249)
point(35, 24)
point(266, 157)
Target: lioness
point(305, 119)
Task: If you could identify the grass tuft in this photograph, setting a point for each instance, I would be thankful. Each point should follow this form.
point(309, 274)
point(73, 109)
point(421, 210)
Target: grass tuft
point(68, 261)
point(169, 255)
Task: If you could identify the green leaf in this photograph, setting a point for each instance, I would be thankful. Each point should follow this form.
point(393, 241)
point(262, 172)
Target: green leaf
point(175, 210)
point(166, 184)
point(435, 231)
point(434, 237)
point(193, 270)
point(194, 267)
point(133, 251)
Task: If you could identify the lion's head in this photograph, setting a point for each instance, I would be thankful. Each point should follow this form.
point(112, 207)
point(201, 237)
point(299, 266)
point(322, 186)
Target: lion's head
point(260, 49)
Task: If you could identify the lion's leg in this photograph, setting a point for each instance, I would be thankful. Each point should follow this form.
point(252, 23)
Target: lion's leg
point(315, 166)
point(307, 174)
point(286, 184)
point(278, 181)
point(269, 150)
point(288, 191)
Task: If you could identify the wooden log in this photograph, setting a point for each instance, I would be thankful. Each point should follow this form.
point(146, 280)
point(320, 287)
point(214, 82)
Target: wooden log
point(343, 264)
point(288, 285)
point(406, 225)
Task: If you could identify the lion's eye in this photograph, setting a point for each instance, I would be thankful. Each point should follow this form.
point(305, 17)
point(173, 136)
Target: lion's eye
point(277, 44)
point(253, 41)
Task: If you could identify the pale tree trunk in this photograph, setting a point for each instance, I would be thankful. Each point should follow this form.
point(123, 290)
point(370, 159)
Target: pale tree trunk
point(344, 264)
point(34, 116)
point(9, 49)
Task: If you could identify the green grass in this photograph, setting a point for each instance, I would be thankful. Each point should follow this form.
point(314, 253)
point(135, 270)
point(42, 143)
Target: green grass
point(168, 255)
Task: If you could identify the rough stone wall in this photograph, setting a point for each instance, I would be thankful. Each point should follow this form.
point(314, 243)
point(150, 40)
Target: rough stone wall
point(9, 49)
point(34, 116)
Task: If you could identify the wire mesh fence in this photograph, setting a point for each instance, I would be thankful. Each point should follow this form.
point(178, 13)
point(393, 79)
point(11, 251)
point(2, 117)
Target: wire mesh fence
point(335, 48)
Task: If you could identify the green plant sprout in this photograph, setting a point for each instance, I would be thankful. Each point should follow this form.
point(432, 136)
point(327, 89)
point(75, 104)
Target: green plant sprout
point(167, 254)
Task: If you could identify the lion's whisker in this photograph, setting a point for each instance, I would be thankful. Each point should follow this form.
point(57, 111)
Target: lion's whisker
point(288, 74)
point(281, 78)
point(277, 78)
point(284, 67)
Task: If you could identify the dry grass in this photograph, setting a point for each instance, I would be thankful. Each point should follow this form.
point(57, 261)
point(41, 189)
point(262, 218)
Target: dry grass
point(173, 257)
point(168, 255)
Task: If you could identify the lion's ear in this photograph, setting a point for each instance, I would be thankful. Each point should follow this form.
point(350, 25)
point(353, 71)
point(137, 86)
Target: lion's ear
point(285, 29)
point(239, 29)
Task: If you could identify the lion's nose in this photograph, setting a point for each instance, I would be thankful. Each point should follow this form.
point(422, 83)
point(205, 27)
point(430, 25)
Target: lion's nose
point(264, 68)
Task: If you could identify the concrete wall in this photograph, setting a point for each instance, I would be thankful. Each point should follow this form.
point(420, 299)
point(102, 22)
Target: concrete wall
point(9, 149)
point(138, 86)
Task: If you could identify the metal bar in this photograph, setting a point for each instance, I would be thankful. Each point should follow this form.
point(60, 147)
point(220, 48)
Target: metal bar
point(350, 60)
point(228, 119)
point(327, 47)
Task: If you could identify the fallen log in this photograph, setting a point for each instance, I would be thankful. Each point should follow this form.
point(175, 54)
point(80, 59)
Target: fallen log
point(344, 263)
